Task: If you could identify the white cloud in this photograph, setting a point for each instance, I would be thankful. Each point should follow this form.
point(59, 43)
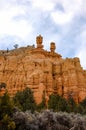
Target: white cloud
point(61, 18)
point(43, 4)
point(10, 26)
point(57, 20)
point(81, 48)
point(82, 56)
point(71, 8)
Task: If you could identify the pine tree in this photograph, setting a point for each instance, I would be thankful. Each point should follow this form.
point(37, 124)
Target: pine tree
point(25, 100)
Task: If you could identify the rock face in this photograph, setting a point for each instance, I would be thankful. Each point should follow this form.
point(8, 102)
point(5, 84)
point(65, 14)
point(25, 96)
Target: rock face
point(45, 72)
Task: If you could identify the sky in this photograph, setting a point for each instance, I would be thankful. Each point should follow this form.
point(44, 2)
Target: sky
point(60, 21)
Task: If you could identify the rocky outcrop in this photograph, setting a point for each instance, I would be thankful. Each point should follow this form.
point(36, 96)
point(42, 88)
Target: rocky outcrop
point(45, 72)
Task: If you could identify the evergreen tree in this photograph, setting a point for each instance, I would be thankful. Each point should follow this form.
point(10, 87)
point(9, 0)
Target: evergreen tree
point(83, 105)
point(57, 103)
point(2, 85)
point(6, 105)
point(6, 111)
point(25, 100)
point(72, 105)
point(7, 123)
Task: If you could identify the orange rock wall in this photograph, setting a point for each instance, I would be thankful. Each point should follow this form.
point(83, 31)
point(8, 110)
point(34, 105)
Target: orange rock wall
point(42, 71)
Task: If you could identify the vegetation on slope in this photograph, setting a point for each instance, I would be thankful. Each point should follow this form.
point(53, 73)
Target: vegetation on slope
point(25, 100)
point(22, 113)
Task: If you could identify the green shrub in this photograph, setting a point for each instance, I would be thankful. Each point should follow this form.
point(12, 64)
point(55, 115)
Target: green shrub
point(7, 123)
point(57, 103)
point(25, 100)
point(6, 105)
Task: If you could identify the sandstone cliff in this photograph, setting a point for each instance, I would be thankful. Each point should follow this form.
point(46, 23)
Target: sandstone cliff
point(42, 71)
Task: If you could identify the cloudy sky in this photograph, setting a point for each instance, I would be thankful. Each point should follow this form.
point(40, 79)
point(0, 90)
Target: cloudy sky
point(60, 21)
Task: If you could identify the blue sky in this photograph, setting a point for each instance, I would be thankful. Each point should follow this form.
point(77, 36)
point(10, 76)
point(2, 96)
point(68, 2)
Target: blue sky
point(60, 21)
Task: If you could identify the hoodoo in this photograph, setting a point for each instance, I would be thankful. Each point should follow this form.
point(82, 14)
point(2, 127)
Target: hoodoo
point(42, 71)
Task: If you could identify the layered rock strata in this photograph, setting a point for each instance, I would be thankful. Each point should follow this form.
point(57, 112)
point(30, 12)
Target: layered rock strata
point(45, 72)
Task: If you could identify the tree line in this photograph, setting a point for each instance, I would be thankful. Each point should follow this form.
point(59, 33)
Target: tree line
point(24, 101)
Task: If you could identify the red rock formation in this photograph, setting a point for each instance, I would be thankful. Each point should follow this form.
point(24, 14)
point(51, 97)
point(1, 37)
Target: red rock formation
point(42, 71)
